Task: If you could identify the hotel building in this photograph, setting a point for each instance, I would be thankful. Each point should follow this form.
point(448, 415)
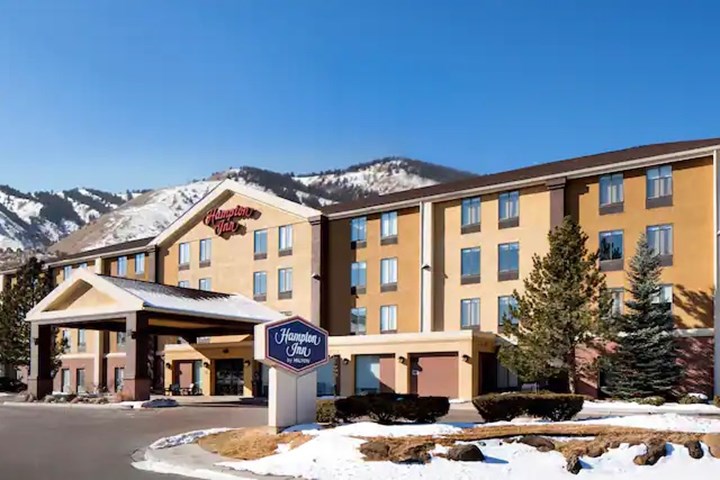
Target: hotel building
point(412, 286)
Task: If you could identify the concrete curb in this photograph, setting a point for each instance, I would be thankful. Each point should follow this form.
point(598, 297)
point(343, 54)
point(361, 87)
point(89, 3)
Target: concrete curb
point(192, 461)
point(107, 406)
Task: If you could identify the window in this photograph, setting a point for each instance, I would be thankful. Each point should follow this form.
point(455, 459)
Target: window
point(660, 239)
point(470, 312)
point(67, 271)
point(80, 380)
point(184, 255)
point(140, 264)
point(388, 318)
point(205, 251)
point(388, 274)
point(611, 189)
point(505, 304)
point(119, 378)
point(65, 380)
point(260, 286)
point(470, 214)
point(617, 300)
point(506, 379)
point(197, 375)
point(285, 240)
point(664, 295)
point(388, 228)
point(83, 265)
point(470, 265)
point(358, 231)
point(285, 283)
point(81, 345)
point(122, 266)
point(508, 261)
point(120, 339)
point(358, 277)
point(184, 284)
point(367, 374)
point(66, 338)
point(611, 250)
point(659, 182)
point(260, 244)
point(205, 284)
point(358, 321)
point(509, 209)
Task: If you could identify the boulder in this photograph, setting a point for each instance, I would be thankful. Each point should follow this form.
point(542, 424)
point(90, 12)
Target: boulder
point(374, 450)
point(465, 453)
point(655, 451)
point(76, 400)
point(595, 451)
point(712, 440)
point(49, 399)
point(694, 449)
point(413, 454)
point(543, 444)
point(573, 465)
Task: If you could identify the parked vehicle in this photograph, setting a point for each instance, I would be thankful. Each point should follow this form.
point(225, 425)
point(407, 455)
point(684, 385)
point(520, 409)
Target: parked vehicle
point(8, 384)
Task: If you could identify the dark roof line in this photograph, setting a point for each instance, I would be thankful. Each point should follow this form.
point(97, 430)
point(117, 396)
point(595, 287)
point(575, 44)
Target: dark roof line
point(164, 289)
point(130, 245)
point(526, 173)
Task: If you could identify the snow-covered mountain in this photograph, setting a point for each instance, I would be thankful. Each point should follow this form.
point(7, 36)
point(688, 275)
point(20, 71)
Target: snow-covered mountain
point(83, 218)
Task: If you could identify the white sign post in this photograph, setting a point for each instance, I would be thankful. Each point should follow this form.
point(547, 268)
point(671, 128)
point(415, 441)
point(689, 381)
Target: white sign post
point(292, 349)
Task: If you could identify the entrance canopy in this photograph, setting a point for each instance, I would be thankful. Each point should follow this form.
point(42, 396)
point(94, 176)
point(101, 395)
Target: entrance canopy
point(140, 309)
point(98, 302)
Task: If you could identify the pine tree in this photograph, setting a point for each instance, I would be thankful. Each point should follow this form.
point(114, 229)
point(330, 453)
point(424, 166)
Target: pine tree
point(644, 361)
point(561, 308)
point(31, 285)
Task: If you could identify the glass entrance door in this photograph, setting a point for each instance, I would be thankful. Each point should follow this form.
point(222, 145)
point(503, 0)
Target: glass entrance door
point(229, 377)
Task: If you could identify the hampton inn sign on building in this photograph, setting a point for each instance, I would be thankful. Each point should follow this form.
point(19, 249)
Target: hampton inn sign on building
point(412, 287)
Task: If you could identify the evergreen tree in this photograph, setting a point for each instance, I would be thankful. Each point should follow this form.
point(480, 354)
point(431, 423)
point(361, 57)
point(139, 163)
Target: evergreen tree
point(644, 361)
point(31, 285)
point(561, 308)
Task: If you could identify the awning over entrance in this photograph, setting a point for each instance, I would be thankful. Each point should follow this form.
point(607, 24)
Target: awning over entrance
point(96, 302)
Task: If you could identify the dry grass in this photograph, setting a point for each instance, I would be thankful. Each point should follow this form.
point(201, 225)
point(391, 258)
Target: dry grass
point(250, 443)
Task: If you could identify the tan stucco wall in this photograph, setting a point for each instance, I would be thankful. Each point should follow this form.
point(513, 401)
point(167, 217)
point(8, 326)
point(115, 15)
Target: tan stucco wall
point(691, 216)
point(233, 262)
point(110, 267)
point(449, 241)
point(58, 272)
point(339, 300)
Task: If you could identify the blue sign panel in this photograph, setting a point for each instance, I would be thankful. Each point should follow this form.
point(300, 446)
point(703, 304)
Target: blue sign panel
point(296, 345)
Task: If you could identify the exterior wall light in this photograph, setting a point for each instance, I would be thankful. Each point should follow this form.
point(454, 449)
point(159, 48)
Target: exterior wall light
point(246, 363)
point(206, 364)
point(466, 358)
point(402, 360)
point(168, 365)
point(346, 361)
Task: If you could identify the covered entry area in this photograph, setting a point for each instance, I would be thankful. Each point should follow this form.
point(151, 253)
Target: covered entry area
point(140, 310)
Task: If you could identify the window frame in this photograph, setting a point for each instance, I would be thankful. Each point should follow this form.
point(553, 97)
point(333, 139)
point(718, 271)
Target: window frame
point(285, 276)
point(257, 253)
point(183, 283)
point(503, 199)
point(469, 278)
point(285, 240)
point(140, 262)
point(611, 264)
point(355, 240)
point(508, 274)
point(666, 258)
point(358, 287)
point(621, 308)
point(388, 286)
point(500, 318)
point(67, 271)
point(609, 181)
point(354, 330)
point(389, 235)
point(467, 205)
point(81, 345)
point(205, 260)
point(389, 308)
point(260, 296)
point(184, 247)
point(207, 280)
point(122, 261)
point(474, 303)
point(658, 200)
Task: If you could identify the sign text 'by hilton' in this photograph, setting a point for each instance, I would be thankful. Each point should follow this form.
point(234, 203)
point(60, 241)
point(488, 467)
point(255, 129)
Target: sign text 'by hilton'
point(296, 345)
point(227, 222)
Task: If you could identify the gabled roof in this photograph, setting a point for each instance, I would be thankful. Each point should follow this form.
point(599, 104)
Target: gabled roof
point(231, 187)
point(557, 168)
point(135, 295)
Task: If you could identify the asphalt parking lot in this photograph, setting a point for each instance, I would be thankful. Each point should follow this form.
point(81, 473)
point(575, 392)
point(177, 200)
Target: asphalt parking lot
point(49, 443)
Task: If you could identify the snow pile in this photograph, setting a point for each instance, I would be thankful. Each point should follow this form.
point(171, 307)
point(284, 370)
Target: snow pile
point(334, 454)
point(185, 438)
point(616, 407)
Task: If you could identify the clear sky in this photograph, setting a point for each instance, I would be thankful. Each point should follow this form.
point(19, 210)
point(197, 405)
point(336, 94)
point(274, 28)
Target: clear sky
point(145, 93)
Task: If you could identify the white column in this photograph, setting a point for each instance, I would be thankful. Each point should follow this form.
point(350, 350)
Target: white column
point(291, 399)
point(426, 271)
point(716, 271)
point(99, 266)
point(2, 282)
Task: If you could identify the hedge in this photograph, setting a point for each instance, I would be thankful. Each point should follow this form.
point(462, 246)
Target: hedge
point(325, 412)
point(388, 408)
point(655, 401)
point(556, 407)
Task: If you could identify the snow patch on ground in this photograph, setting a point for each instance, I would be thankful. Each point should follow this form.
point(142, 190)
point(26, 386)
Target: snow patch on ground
point(168, 468)
point(185, 438)
point(615, 407)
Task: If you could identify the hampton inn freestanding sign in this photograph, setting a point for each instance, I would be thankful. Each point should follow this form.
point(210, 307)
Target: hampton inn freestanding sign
point(293, 348)
point(227, 221)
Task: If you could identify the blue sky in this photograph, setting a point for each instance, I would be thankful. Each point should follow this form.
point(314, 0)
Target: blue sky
point(146, 93)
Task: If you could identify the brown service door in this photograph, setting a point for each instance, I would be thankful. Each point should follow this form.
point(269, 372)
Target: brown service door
point(434, 374)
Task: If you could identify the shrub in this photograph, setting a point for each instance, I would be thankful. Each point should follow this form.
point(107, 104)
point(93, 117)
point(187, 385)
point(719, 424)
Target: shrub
point(691, 400)
point(325, 412)
point(387, 408)
point(655, 401)
point(553, 406)
point(716, 401)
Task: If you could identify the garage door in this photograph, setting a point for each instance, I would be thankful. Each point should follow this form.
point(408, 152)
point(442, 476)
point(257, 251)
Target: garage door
point(434, 374)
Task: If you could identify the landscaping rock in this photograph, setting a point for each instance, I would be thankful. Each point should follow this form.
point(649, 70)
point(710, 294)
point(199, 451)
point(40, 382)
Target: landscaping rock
point(375, 450)
point(25, 397)
point(76, 400)
point(49, 399)
point(694, 449)
point(465, 453)
point(655, 451)
point(595, 451)
point(712, 440)
point(573, 465)
point(160, 403)
point(415, 454)
point(543, 444)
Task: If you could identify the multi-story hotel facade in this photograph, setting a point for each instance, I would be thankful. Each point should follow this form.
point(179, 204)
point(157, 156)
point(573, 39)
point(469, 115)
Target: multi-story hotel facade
point(413, 286)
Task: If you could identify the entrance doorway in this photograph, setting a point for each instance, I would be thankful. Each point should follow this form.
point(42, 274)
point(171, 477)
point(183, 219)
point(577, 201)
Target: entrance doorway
point(229, 377)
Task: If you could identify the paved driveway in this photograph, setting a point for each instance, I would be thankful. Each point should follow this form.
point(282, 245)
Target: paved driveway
point(48, 443)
